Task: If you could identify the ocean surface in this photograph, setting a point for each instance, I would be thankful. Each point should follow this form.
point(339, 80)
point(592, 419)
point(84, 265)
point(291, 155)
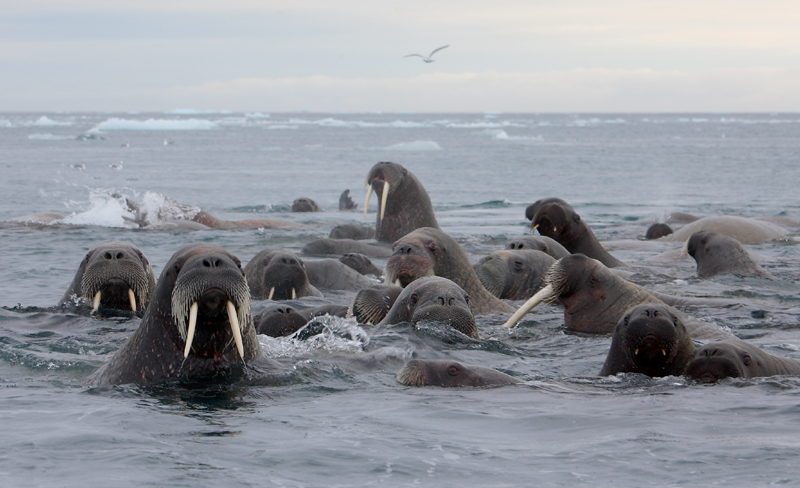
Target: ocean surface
point(333, 414)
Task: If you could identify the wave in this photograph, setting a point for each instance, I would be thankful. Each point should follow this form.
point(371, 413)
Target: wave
point(415, 146)
point(326, 333)
point(45, 121)
point(191, 111)
point(48, 137)
point(489, 204)
point(503, 136)
point(105, 210)
point(155, 124)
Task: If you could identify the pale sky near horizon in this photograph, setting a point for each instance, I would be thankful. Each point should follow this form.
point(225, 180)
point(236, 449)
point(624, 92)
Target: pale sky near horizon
point(347, 55)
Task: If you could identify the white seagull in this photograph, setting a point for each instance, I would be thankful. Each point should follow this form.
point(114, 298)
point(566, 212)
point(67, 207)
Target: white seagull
point(428, 59)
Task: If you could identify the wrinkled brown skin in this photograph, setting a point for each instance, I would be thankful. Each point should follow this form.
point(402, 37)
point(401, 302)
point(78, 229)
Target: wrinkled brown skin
point(331, 274)
point(650, 339)
point(281, 269)
point(431, 252)
point(279, 320)
point(563, 224)
point(352, 231)
point(448, 373)
point(339, 247)
point(360, 263)
point(737, 359)
point(409, 207)
point(434, 298)
point(719, 254)
point(305, 204)
point(154, 353)
point(371, 305)
point(539, 243)
point(113, 267)
point(209, 220)
point(657, 231)
point(530, 211)
point(513, 274)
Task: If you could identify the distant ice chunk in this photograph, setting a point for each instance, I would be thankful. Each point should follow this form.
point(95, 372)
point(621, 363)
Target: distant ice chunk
point(48, 137)
point(155, 124)
point(415, 146)
point(191, 111)
point(45, 121)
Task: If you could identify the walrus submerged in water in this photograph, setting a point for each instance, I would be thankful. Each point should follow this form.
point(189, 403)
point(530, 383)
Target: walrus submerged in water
point(114, 274)
point(278, 275)
point(719, 254)
point(737, 359)
point(198, 325)
point(447, 373)
point(403, 202)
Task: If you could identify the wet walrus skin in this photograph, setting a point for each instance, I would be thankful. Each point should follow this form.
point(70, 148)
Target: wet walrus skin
point(403, 203)
point(447, 373)
point(513, 274)
point(540, 243)
point(431, 252)
point(649, 339)
point(719, 254)
point(197, 327)
point(114, 274)
point(563, 224)
point(434, 298)
point(275, 274)
point(737, 359)
point(371, 305)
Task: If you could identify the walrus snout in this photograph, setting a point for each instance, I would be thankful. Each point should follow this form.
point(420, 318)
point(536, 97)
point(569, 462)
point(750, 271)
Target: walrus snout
point(711, 364)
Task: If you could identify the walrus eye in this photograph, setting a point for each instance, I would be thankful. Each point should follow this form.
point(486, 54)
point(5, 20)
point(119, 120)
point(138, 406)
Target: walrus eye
point(746, 360)
point(452, 370)
point(466, 299)
point(626, 320)
point(413, 299)
point(177, 268)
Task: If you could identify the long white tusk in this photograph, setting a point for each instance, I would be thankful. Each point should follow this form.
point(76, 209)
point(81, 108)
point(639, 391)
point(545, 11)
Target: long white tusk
point(190, 331)
point(96, 302)
point(526, 307)
point(271, 292)
point(366, 200)
point(237, 333)
point(132, 298)
point(294, 294)
point(397, 282)
point(384, 197)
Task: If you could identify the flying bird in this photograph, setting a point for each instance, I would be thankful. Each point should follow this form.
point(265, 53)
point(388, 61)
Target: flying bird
point(428, 58)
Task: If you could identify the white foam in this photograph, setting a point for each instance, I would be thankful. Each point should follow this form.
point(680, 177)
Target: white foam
point(256, 115)
point(483, 125)
point(48, 137)
point(45, 121)
point(156, 208)
point(338, 335)
point(155, 124)
point(104, 211)
point(415, 146)
point(503, 136)
point(191, 111)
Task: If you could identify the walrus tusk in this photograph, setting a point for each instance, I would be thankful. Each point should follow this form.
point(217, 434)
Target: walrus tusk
point(190, 331)
point(366, 200)
point(384, 197)
point(271, 292)
point(132, 297)
point(294, 294)
point(397, 282)
point(533, 227)
point(237, 332)
point(526, 307)
point(96, 302)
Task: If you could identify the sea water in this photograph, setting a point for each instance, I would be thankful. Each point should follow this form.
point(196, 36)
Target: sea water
point(332, 413)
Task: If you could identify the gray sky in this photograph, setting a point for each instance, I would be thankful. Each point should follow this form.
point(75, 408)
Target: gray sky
point(347, 55)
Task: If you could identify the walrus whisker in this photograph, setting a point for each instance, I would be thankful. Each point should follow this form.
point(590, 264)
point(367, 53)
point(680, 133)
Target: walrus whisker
point(132, 297)
point(96, 302)
point(237, 333)
point(366, 200)
point(541, 296)
point(190, 332)
point(271, 292)
point(384, 198)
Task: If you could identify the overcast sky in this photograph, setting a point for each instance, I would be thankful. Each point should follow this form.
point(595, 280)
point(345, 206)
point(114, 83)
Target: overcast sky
point(347, 55)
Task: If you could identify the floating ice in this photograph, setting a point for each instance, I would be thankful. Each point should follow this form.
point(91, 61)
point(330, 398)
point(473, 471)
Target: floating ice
point(48, 137)
point(45, 121)
point(503, 136)
point(415, 146)
point(155, 124)
point(191, 111)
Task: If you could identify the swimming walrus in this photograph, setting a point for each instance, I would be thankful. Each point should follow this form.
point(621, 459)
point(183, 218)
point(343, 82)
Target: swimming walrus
point(717, 253)
point(448, 373)
point(281, 320)
point(352, 231)
point(403, 202)
point(278, 275)
point(431, 252)
point(332, 274)
point(198, 325)
point(305, 204)
point(540, 243)
point(327, 246)
point(649, 339)
point(113, 274)
point(562, 223)
point(434, 298)
point(744, 230)
point(737, 359)
point(513, 274)
point(361, 263)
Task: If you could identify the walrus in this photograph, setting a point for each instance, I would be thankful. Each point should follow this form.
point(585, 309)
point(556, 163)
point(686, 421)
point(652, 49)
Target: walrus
point(331, 274)
point(278, 275)
point(448, 373)
point(281, 320)
point(737, 359)
point(531, 209)
point(744, 230)
point(649, 339)
point(717, 253)
point(428, 252)
point(657, 231)
point(434, 298)
point(338, 247)
point(562, 223)
point(345, 202)
point(404, 204)
point(197, 327)
point(305, 204)
point(513, 274)
point(371, 305)
point(352, 231)
point(113, 274)
point(595, 299)
point(540, 243)
point(360, 263)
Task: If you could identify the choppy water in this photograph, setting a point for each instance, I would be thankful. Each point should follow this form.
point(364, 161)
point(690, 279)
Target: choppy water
point(334, 415)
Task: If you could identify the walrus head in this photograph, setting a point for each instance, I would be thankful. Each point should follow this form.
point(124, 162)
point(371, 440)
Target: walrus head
point(384, 178)
point(438, 299)
point(279, 320)
point(531, 210)
point(512, 274)
point(556, 221)
point(209, 303)
point(116, 275)
point(718, 360)
point(651, 337)
point(414, 256)
point(304, 204)
point(277, 275)
point(448, 373)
